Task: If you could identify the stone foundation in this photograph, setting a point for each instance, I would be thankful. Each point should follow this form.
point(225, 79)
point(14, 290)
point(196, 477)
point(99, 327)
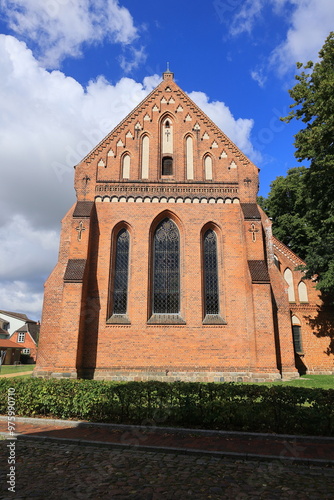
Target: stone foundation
point(141, 376)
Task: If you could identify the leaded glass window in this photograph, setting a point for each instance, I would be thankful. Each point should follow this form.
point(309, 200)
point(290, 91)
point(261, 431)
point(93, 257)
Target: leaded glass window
point(121, 272)
point(297, 338)
point(211, 296)
point(166, 269)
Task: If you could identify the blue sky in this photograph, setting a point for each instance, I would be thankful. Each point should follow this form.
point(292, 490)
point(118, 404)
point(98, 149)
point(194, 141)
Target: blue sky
point(71, 70)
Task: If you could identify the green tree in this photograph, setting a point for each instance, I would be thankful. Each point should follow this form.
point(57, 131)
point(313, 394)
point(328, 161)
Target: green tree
point(313, 97)
point(285, 205)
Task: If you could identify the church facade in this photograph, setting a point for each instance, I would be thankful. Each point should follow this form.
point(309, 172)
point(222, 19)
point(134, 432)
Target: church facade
point(167, 267)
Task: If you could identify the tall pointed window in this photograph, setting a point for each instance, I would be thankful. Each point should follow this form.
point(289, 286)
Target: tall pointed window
point(120, 294)
point(211, 296)
point(189, 158)
point(145, 157)
point(167, 147)
point(296, 333)
point(210, 279)
point(166, 269)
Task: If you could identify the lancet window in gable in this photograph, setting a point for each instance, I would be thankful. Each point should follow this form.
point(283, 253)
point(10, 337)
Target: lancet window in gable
point(145, 157)
point(126, 160)
point(189, 158)
point(167, 146)
point(208, 168)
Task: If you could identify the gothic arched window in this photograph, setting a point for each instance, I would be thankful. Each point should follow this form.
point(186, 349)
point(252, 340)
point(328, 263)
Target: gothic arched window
point(210, 267)
point(297, 336)
point(288, 276)
point(166, 269)
point(120, 292)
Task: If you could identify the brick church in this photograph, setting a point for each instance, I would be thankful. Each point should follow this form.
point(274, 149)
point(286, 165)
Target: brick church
point(168, 268)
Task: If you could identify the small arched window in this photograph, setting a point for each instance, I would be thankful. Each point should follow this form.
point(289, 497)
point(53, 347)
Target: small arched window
point(126, 166)
point(296, 333)
point(289, 279)
point(167, 165)
point(120, 289)
point(302, 292)
point(208, 168)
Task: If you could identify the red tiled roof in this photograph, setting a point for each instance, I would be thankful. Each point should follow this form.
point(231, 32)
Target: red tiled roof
point(10, 343)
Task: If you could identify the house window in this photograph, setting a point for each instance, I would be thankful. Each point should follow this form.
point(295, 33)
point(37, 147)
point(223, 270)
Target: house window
point(167, 165)
point(296, 334)
point(211, 295)
point(120, 296)
point(21, 337)
point(25, 351)
point(166, 269)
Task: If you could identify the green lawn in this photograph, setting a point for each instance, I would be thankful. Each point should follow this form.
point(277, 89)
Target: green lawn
point(312, 381)
point(6, 369)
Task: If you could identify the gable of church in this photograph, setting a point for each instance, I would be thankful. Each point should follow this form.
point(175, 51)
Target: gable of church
point(167, 138)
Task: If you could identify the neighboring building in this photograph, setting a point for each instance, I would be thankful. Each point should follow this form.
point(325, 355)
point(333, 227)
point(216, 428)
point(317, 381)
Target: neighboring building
point(168, 268)
point(27, 337)
point(10, 352)
point(22, 331)
point(4, 325)
point(14, 320)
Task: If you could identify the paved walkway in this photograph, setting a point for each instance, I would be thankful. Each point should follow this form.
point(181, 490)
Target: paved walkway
point(74, 460)
point(317, 450)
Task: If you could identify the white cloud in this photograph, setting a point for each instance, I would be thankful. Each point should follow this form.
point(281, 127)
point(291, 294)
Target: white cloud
point(18, 296)
point(259, 77)
point(309, 23)
point(135, 58)
point(244, 20)
point(59, 28)
point(238, 130)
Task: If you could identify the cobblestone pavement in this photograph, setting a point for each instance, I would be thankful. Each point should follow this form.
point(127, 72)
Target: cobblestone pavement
point(48, 470)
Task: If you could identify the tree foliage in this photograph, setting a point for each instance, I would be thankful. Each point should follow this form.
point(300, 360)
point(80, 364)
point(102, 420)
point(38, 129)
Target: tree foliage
point(302, 204)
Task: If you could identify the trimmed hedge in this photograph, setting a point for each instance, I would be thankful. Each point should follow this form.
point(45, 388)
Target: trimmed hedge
point(227, 406)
